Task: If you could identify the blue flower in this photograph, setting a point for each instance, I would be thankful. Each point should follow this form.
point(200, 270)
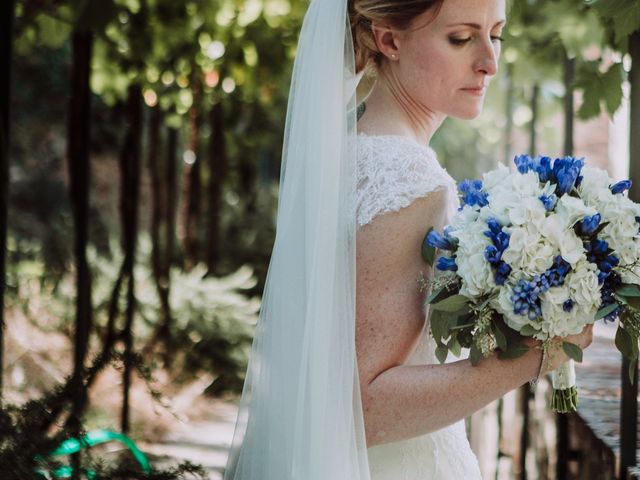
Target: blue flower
point(525, 299)
point(523, 163)
point(620, 186)
point(596, 249)
point(443, 242)
point(542, 166)
point(472, 193)
point(492, 254)
point(568, 305)
point(554, 276)
point(566, 172)
point(549, 201)
point(589, 225)
point(445, 263)
point(502, 273)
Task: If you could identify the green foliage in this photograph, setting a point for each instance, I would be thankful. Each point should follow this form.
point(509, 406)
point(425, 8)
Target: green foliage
point(621, 16)
point(573, 351)
point(213, 318)
point(600, 88)
point(27, 439)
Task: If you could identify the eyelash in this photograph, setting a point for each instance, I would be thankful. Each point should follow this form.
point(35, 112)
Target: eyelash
point(462, 41)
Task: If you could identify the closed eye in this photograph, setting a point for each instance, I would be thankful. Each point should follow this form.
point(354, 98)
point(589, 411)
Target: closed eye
point(459, 41)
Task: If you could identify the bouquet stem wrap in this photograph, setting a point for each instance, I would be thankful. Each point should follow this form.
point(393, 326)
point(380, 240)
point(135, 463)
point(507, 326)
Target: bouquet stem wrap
point(564, 398)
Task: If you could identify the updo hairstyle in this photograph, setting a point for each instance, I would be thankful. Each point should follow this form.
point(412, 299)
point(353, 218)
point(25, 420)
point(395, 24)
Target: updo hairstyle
point(395, 13)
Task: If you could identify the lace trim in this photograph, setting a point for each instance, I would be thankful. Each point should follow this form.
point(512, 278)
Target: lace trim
point(392, 172)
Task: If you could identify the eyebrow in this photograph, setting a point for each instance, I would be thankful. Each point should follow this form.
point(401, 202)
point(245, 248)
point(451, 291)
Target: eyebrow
point(475, 25)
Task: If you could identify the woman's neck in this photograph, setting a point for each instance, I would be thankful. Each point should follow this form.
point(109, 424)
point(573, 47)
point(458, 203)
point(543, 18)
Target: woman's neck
point(391, 110)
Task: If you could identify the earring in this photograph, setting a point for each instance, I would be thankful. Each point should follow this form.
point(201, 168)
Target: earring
point(394, 56)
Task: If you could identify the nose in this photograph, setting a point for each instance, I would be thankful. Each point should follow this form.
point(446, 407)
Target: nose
point(487, 60)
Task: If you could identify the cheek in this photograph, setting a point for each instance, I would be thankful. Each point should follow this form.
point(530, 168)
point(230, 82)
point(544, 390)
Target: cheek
point(432, 75)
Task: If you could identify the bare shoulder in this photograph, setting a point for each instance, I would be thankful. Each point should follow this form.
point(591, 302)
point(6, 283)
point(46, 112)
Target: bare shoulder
point(389, 303)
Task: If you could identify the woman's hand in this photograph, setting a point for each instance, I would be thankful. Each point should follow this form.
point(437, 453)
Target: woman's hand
point(555, 354)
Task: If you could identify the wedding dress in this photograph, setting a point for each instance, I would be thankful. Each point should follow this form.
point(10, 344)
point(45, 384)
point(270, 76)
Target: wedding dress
point(392, 172)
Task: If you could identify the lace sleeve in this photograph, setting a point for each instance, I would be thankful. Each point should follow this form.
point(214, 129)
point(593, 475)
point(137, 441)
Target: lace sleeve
point(393, 172)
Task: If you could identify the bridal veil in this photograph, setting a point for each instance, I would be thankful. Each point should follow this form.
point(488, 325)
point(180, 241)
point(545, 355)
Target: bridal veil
point(300, 414)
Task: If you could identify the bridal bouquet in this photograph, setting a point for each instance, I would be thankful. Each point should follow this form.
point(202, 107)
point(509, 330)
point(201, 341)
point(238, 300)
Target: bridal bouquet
point(539, 252)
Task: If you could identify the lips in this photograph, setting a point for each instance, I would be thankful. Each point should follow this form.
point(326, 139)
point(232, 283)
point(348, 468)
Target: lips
point(475, 90)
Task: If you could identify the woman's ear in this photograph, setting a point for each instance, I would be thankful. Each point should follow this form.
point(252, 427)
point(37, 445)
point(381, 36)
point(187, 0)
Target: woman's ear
point(386, 40)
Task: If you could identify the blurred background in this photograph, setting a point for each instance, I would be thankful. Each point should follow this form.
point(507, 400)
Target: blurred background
point(140, 150)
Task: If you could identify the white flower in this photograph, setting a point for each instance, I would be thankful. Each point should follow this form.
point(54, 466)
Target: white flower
point(476, 275)
point(463, 219)
point(582, 283)
point(528, 211)
point(528, 251)
point(593, 180)
point(555, 321)
point(570, 245)
point(495, 176)
point(473, 268)
point(571, 209)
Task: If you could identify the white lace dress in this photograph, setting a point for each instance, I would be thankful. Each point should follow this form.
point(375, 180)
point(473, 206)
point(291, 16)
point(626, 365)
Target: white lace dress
point(394, 171)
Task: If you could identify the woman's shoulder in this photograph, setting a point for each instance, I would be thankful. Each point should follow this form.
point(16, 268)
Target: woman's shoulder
point(394, 171)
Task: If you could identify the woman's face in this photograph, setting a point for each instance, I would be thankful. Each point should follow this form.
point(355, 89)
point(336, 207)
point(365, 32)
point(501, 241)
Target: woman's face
point(446, 64)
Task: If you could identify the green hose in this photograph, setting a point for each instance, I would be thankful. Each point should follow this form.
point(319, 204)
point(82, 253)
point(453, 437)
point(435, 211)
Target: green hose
point(95, 437)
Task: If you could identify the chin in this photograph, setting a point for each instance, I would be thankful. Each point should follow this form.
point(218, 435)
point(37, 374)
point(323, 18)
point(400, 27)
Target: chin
point(469, 112)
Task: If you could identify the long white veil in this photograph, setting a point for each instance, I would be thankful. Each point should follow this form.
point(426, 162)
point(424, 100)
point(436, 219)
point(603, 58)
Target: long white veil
point(300, 414)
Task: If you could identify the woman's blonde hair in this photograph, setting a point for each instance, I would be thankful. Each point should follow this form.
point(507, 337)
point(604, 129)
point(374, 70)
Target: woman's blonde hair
point(395, 13)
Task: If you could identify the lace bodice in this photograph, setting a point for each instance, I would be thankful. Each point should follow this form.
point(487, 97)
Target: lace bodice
point(393, 172)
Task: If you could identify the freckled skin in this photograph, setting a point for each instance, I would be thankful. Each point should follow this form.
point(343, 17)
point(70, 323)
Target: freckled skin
point(414, 93)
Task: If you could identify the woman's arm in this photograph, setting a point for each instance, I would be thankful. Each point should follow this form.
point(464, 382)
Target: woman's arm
point(404, 401)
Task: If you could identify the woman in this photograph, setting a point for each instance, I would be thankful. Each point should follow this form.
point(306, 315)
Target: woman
point(342, 381)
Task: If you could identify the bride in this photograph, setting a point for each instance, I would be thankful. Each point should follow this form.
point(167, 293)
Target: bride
point(342, 382)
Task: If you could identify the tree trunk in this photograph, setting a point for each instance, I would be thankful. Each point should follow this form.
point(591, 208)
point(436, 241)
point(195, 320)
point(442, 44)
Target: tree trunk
point(79, 176)
point(130, 166)
point(7, 11)
point(629, 402)
point(192, 181)
point(158, 220)
point(171, 185)
point(562, 421)
point(508, 132)
point(217, 174)
point(534, 120)
point(569, 110)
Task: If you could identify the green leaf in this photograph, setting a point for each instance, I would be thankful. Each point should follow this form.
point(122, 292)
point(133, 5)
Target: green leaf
point(629, 290)
point(501, 339)
point(624, 343)
point(627, 21)
point(454, 346)
point(601, 227)
point(441, 294)
point(633, 368)
point(439, 325)
point(441, 353)
point(612, 87)
point(528, 331)
point(428, 252)
point(454, 303)
point(514, 351)
point(603, 312)
point(475, 355)
point(573, 351)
